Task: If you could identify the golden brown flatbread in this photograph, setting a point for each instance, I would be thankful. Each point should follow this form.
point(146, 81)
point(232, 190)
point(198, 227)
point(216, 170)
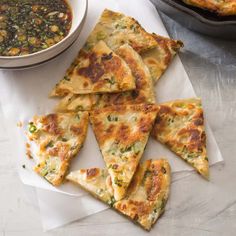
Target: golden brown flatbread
point(180, 126)
point(98, 71)
point(58, 137)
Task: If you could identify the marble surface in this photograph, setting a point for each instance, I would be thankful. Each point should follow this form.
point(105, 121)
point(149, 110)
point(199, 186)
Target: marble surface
point(196, 207)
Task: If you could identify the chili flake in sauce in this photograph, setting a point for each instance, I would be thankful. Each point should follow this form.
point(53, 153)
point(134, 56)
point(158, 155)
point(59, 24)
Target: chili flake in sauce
point(29, 26)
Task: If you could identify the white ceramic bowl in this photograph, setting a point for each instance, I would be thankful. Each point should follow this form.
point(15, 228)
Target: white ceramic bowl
point(79, 11)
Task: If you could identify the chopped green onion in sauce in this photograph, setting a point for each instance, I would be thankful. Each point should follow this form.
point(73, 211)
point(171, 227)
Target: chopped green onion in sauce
point(29, 26)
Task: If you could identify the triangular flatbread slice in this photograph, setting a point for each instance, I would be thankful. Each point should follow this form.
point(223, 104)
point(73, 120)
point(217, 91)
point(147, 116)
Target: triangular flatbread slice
point(159, 58)
point(122, 133)
point(97, 71)
point(146, 197)
point(180, 126)
point(96, 181)
point(144, 92)
point(58, 138)
point(116, 29)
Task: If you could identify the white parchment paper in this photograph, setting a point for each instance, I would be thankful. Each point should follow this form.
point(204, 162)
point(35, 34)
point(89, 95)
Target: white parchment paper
point(25, 93)
point(59, 209)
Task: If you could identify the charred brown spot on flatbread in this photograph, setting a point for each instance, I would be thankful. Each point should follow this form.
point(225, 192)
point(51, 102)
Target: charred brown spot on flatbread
point(144, 125)
point(153, 181)
point(94, 71)
point(112, 64)
point(123, 133)
point(165, 110)
point(51, 124)
point(91, 173)
point(76, 129)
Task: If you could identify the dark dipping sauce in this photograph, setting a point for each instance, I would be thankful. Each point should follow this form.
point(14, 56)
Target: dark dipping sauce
point(29, 26)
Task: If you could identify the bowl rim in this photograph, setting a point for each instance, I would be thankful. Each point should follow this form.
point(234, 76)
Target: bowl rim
point(70, 34)
point(197, 15)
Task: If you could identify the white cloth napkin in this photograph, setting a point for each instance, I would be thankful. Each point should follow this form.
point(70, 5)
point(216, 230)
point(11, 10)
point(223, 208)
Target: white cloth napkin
point(25, 93)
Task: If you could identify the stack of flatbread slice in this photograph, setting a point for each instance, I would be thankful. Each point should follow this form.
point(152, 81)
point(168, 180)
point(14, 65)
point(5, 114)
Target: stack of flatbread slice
point(143, 92)
point(111, 83)
point(127, 38)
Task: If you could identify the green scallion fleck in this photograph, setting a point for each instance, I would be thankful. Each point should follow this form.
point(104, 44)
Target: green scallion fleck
point(118, 182)
point(32, 128)
point(112, 118)
point(66, 78)
point(50, 144)
point(112, 201)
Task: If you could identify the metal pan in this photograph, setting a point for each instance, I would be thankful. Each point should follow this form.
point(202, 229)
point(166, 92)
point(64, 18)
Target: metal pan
point(198, 20)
